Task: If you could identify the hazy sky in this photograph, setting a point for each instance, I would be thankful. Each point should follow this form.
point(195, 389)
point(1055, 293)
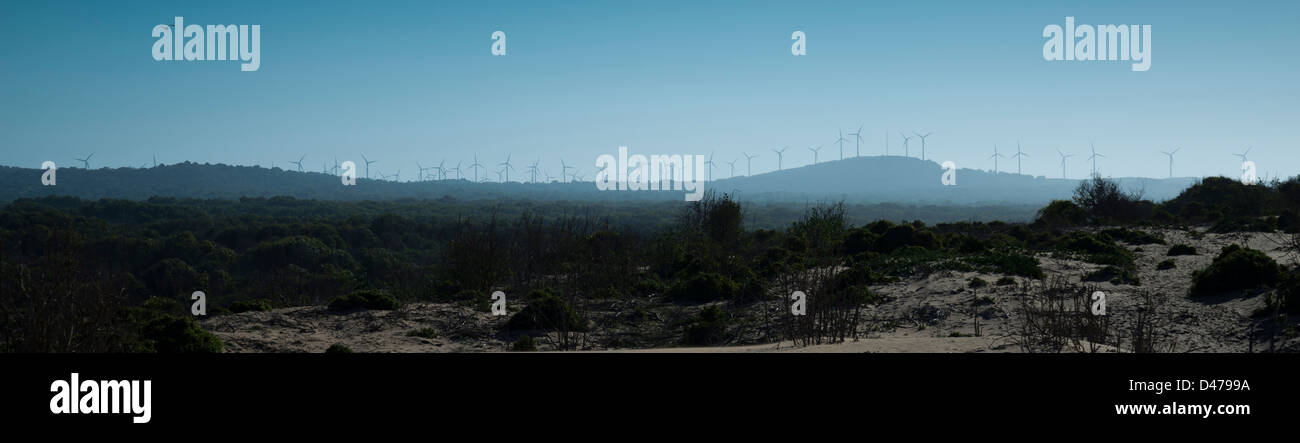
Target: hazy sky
point(415, 81)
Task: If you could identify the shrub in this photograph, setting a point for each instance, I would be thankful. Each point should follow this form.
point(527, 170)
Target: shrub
point(1114, 274)
point(256, 305)
point(708, 328)
point(1181, 249)
point(901, 236)
point(1012, 263)
point(1133, 236)
point(175, 334)
point(1235, 268)
point(365, 299)
point(703, 287)
point(338, 348)
point(1061, 213)
point(546, 311)
point(976, 283)
point(422, 333)
point(1167, 264)
point(1099, 251)
point(524, 344)
point(1103, 201)
point(1006, 281)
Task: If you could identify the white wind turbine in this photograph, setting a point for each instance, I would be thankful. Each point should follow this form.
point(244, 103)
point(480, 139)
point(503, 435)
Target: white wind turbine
point(995, 158)
point(1018, 155)
point(841, 141)
point(815, 151)
point(1171, 160)
point(1094, 158)
point(857, 141)
point(749, 163)
point(923, 137)
point(907, 152)
point(1063, 157)
point(780, 156)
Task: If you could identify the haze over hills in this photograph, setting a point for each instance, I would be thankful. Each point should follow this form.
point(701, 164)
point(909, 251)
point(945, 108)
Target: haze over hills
point(889, 179)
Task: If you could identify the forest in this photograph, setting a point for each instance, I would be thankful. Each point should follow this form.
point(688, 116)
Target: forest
point(114, 275)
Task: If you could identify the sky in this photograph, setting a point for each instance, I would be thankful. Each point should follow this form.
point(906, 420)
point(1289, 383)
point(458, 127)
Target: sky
point(406, 82)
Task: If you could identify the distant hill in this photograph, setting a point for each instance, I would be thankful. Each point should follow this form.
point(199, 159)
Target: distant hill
point(864, 180)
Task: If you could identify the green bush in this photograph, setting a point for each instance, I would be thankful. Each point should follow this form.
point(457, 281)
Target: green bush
point(1113, 274)
point(900, 236)
point(422, 333)
point(1102, 251)
point(1011, 263)
point(1133, 236)
point(1061, 213)
point(338, 348)
point(1006, 281)
point(976, 283)
point(707, 328)
point(365, 299)
point(546, 311)
point(1235, 268)
point(1167, 264)
point(703, 287)
point(256, 305)
point(174, 334)
point(1181, 249)
point(524, 344)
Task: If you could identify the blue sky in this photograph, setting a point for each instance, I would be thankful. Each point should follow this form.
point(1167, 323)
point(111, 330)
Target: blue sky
point(415, 81)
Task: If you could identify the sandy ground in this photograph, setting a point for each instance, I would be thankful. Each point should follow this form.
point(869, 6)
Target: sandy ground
point(932, 314)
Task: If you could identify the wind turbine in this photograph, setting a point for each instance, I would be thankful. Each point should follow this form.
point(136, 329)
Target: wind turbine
point(1094, 157)
point(841, 141)
point(442, 169)
point(575, 176)
point(457, 169)
point(709, 163)
point(780, 156)
point(733, 167)
point(749, 163)
point(85, 162)
point(155, 161)
point(336, 165)
point(1063, 157)
point(299, 162)
point(564, 167)
point(1171, 160)
point(507, 166)
point(475, 167)
point(995, 157)
point(907, 152)
point(368, 162)
point(815, 151)
point(419, 172)
point(857, 141)
point(532, 170)
point(923, 144)
point(1018, 155)
point(1243, 155)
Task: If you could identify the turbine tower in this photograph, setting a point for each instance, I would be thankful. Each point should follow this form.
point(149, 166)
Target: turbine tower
point(815, 151)
point(1171, 160)
point(857, 141)
point(85, 162)
point(506, 166)
point(780, 156)
point(708, 163)
point(923, 143)
point(1094, 158)
point(564, 167)
point(907, 152)
point(299, 162)
point(475, 167)
point(1063, 157)
point(368, 162)
point(733, 167)
point(749, 163)
point(995, 157)
point(841, 141)
point(1018, 155)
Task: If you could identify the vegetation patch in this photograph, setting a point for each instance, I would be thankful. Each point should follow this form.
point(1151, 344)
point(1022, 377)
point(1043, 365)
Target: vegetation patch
point(1235, 268)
